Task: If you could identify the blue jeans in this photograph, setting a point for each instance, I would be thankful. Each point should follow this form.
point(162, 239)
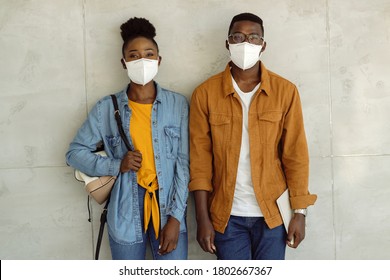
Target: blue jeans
point(137, 251)
point(249, 238)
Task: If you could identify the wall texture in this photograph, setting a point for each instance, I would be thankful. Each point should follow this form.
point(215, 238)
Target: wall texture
point(58, 57)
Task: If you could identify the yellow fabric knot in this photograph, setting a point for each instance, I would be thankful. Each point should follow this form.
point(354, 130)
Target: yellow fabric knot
point(151, 209)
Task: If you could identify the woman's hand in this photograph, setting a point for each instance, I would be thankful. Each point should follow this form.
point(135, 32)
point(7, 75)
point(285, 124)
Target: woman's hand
point(169, 236)
point(131, 161)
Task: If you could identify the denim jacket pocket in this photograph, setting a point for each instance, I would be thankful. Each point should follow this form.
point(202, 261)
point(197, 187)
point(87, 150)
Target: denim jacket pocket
point(172, 134)
point(113, 143)
point(269, 126)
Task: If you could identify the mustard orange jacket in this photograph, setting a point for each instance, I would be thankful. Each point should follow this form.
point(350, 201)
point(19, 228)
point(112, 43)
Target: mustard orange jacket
point(278, 148)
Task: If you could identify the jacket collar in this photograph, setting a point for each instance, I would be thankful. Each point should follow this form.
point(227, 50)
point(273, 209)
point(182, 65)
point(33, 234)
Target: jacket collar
point(265, 85)
point(125, 99)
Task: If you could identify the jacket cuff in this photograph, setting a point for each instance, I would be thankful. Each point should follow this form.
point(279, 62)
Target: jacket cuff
point(114, 167)
point(200, 185)
point(178, 214)
point(302, 201)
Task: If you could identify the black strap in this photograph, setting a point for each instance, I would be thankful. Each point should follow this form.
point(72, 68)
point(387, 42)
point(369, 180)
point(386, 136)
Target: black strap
point(103, 216)
point(119, 122)
point(103, 220)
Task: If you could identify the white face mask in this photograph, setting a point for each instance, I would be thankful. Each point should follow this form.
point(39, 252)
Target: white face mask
point(142, 71)
point(245, 55)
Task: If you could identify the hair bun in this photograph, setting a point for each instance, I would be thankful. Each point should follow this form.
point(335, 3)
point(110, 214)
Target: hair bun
point(135, 27)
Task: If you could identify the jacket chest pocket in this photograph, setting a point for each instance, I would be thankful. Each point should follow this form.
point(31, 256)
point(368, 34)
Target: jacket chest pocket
point(114, 144)
point(172, 134)
point(269, 124)
point(220, 127)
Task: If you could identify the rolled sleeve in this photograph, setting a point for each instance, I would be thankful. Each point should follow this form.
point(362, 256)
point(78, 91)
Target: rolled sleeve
point(303, 201)
point(201, 169)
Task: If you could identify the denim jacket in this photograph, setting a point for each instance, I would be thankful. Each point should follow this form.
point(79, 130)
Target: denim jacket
point(170, 146)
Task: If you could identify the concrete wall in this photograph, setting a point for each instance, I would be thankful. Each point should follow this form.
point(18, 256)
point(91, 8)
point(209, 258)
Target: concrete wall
point(58, 57)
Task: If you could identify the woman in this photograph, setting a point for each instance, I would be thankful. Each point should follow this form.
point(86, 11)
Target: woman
point(148, 201)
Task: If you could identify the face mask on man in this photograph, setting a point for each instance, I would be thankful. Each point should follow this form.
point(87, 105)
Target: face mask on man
point(245, 55)
point(142, 71)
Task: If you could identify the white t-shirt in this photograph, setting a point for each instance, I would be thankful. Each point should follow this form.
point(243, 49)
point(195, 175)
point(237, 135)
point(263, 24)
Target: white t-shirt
point(244, 200)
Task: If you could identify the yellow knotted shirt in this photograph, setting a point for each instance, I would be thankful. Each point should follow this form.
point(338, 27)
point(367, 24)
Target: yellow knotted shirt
point(141, 134)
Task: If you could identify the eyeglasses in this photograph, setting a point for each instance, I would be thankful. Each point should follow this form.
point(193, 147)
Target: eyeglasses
point(239, 37)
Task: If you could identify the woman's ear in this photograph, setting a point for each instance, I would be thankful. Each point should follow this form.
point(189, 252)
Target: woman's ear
point(159, 60)
point(123, 63)
point(227, 44)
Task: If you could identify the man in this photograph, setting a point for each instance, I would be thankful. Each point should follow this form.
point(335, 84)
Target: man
point(247, 146)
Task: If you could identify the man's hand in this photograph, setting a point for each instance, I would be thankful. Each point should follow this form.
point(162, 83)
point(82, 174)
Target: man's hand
point(296, 230)
point(205, 233)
